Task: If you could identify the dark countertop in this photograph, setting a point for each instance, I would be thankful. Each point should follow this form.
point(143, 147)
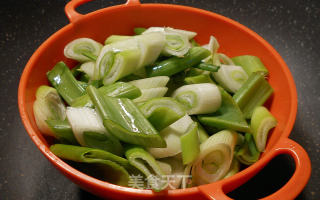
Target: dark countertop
point(292, 27)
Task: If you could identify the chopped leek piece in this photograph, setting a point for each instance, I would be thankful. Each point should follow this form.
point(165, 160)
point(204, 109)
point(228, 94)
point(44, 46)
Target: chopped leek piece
point(80, 48)
point(176, 45)
point(123, 64)
point(139, 30)
point(190, 144)
point(230, 77)
point(67, 86)
point(215, 158)
point(173, 145)
point(82, 120)
point(104, 141)
point(175, 65)
point(88, 68)
point(118, 89)
point(250, 64)
point(171, 135)
point(262, 121)
point(48, 106)
point(163, 111)
point(228, 116)
point(254, 92)
point(153, 82)
point(147, 94)
point(199, 98)
point(125, 121)
point(203, 78)
point(120, 59)
point(248, 153)
point(179, 127)
point(188, 34)
point(116, 38)
point(62, 131)
point(115, 167)
point(144, 162)
point(234, 168)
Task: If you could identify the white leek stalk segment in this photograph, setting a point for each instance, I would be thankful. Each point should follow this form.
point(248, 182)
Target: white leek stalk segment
point(262, 121)
point(113, 64)
point(48, 106)
point(153, 82)
point(124, 63)
point(171, 135)
point(88, 68)
point(80, 46)
point(177, 41)
point(173, 146)
point(176, 45)
point(230, 77)
point(188, 34)
point(215, 158)
point(180, 126)
point(82, 120)
point(202, 98)
point(151, 93)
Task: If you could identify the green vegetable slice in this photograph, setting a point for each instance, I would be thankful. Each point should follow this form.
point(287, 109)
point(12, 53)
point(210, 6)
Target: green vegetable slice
point(228, 116)
point(190, 144)
point(114, 166)
point(67, 86)
point(144, 162)
point(118, 89)
point(125, 121)
point(175, 65)
point(250, 64)
point(62, 131)
point(254, 92)
point(163, 111)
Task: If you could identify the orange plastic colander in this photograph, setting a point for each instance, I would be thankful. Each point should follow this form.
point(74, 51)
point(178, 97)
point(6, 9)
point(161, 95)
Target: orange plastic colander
point(234, 38)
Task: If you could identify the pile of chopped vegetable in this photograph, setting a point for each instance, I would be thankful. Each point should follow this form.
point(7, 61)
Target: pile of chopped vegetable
point(148, 110)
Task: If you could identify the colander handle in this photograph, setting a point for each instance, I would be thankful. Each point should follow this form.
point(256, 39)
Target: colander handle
point(73, 15)
point(288, 191)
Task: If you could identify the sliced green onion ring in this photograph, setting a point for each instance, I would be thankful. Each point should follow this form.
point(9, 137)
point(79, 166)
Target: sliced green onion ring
point(215, 158)
point(199, 98)
point(79, 48)
point(262, 121)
